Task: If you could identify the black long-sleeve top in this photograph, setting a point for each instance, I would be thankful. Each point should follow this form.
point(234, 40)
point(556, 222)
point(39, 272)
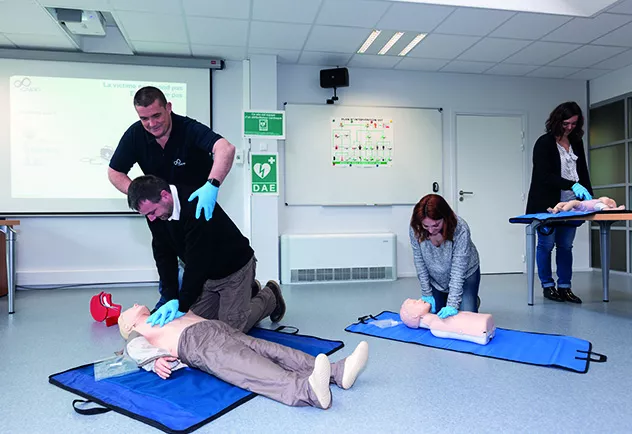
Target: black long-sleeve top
point(546, 178)
point(212, 249)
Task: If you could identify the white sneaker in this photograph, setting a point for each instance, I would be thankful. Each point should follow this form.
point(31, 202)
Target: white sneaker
point(354, 364)
point(319, 381)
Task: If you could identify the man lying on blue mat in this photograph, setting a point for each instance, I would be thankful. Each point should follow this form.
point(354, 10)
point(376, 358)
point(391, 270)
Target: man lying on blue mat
point(281, 373)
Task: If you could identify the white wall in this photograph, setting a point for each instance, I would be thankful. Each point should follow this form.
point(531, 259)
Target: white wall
point(613, 84)
point(66, 250)
point(454, 93)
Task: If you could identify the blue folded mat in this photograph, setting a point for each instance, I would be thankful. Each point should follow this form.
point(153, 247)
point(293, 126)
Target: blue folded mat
point(540, 349)
point(185, 402)
point(544, 216)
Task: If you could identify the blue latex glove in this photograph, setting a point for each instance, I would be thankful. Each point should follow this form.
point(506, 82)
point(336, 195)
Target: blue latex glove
point(165, 313)
point(206, 196)
point(580, 192)
point(430, 299)
point(447, 312)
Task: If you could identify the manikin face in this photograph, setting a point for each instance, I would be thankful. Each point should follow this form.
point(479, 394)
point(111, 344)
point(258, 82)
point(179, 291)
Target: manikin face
point(130, 317)
point(432, 226)
point(161, 210)
point(569, 125)
point(155, 118)
point(412, 310)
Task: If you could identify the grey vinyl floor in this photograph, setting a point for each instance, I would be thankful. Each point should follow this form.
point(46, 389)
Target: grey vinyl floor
point(405, 388)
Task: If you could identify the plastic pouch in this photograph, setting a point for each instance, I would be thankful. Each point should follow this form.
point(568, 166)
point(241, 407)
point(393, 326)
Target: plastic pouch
point(385, 323)
point(116, 366)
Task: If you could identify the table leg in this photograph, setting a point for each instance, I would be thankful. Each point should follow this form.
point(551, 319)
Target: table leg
point(10, 236)
point(531, 230)
point(604, 244)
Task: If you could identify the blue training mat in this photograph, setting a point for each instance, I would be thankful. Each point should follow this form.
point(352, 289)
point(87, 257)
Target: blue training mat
point(547, 216)
point(185, 402)
point(540, 349)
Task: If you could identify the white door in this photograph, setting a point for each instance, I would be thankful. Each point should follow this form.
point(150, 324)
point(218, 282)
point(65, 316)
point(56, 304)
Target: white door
point(489, 187)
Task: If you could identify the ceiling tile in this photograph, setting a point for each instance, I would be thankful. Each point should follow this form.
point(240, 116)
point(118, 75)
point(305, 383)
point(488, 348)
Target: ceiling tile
point(60, 42)
point(143, 26)
point(553, 72)
point(473, 21)
point(5, 43)
point(587, 55)
point(217, 31)
point(507, 69)
point(373, 61)
point(624, 7)
point(414, 17)
point(153, 6)
point(415, 64)
point(448, 47)
point(493, 49)
point(217, 8)
point(541, 53)
point(226, 53)
point(283, 56)
point(320, 58)
point(284, 36)
point(584, 30)
point(336, 39)
point(92, 5)
point(618, 61)
point(354, 13)
point(26, 17)
point(469, 67)
point(144, 47)
point(291, 11)
point(622, 37)
point(529, 26)
point(588, 74)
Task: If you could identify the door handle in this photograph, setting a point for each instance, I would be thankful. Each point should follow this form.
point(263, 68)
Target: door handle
point(461, 192)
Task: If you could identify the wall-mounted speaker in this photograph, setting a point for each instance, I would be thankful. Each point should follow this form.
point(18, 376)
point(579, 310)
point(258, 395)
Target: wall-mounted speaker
point(332, 78)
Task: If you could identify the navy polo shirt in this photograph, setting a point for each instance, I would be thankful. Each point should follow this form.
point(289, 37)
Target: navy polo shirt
point(186, 158)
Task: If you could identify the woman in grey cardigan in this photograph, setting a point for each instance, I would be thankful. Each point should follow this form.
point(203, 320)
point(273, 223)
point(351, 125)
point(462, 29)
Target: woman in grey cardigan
point(445, 257)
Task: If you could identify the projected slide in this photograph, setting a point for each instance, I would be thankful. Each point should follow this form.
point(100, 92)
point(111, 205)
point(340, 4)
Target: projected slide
point(64, 131)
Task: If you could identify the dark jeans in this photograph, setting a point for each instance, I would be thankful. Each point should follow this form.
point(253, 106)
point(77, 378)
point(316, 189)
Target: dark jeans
point(562, 238)
point(469, 297)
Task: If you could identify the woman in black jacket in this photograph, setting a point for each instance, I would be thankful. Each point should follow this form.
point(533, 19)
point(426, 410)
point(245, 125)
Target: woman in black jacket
point(560, 173)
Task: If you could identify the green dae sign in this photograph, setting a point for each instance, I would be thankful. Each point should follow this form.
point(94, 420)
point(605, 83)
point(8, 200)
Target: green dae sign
point(264, 174)
point(268, 124)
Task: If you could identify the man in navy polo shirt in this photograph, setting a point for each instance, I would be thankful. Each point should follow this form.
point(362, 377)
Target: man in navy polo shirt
point(178, 149)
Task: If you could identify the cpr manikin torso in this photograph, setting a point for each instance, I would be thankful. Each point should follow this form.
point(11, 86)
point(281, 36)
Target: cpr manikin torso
point(167, 336)
point(467, 326)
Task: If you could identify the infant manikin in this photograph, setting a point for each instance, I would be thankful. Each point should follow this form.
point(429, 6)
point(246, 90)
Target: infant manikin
point(467, 326)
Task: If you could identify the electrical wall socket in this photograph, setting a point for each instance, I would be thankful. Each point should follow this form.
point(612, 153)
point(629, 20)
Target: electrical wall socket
point(239, 156)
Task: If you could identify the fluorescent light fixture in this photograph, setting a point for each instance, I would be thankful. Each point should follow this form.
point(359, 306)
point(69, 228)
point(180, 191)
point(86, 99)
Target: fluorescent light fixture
point(412, 44)
point(390, 43)
point(374, 34)
point(575, 8)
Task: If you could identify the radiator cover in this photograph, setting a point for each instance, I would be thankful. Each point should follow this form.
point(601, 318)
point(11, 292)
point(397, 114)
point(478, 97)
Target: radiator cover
point(330, 258)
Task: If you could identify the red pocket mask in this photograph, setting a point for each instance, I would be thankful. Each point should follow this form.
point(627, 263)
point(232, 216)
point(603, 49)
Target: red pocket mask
point(102, 308)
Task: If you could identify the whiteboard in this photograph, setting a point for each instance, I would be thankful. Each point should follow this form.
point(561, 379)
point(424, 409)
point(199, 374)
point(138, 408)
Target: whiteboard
point(320, 136)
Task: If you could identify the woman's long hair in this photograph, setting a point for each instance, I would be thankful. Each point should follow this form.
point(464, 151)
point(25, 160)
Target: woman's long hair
point(562, 112)
point(434, 207)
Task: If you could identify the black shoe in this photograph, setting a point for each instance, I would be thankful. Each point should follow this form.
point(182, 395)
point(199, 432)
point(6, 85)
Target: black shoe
point(279, 311)
point(552, 294)
point(255, 288)
point(569, 296)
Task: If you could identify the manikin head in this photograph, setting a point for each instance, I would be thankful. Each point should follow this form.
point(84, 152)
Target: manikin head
point(412, 311)
point(130, 317)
